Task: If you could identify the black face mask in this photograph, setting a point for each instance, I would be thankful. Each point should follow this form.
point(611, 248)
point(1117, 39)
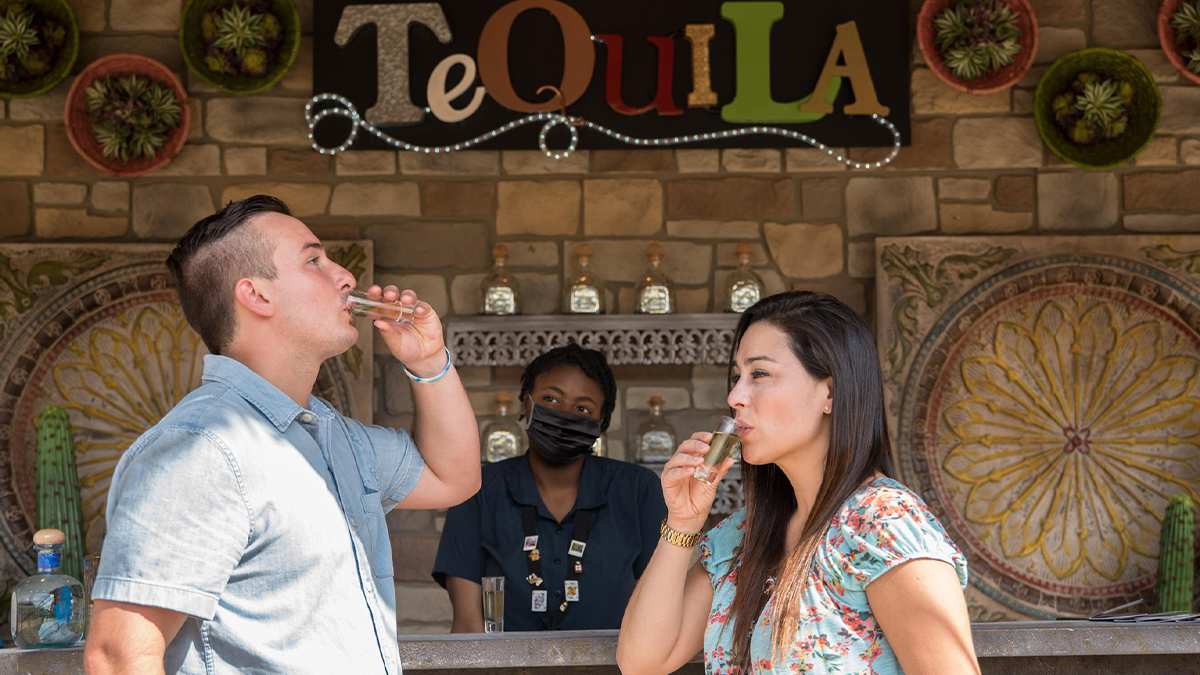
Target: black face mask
point(559, 438)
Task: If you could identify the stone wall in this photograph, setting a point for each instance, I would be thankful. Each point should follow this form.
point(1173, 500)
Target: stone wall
point(976, 166)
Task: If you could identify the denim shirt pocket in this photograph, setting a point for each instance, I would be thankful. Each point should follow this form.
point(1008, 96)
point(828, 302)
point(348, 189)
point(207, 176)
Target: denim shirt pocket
point(372, 525)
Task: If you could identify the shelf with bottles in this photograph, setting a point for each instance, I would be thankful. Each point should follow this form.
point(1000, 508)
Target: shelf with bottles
point(654, 335)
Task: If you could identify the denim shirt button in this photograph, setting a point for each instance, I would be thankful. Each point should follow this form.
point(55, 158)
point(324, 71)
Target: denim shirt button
point(307, 417)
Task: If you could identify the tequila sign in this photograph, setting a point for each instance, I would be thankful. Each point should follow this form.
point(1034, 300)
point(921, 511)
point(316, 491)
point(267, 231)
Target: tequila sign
point(436, 73)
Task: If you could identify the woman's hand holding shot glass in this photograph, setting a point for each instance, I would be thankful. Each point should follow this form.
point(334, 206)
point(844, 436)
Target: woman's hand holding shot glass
point(690, 477)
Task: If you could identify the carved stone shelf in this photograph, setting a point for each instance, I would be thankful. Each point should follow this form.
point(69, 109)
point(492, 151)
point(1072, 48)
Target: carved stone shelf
point(672, 339)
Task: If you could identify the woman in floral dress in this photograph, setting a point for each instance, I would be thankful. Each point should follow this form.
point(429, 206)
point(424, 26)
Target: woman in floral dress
point(832, 566)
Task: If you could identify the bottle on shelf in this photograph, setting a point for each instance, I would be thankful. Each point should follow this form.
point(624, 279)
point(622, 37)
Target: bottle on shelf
point(584, 295)
point(48, 608)
point(655, 295)
point(656, 439)
point(503, 436)
point(499, 292)
point(745, 287)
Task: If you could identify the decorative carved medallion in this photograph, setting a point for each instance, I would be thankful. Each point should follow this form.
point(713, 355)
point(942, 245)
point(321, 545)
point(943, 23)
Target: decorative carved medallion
point(1047, 407)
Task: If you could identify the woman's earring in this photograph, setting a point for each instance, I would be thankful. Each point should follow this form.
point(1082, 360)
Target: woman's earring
point(828, 410)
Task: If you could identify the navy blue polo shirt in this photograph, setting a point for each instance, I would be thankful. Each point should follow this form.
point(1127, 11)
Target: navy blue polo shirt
point(484, 537)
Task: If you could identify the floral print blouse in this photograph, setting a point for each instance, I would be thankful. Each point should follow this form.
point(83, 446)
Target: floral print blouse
point(880, 526)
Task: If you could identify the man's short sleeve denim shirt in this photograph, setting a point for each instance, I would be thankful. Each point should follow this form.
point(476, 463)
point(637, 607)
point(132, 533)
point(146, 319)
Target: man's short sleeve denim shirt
point(264, 521)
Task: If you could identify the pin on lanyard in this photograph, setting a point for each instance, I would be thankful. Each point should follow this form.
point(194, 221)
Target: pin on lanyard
point(533, 559)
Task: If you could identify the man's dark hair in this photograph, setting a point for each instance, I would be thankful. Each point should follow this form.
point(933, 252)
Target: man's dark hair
point(210, 259)
point(591, 362)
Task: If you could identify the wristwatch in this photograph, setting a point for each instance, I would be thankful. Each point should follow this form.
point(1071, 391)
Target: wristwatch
point(680, 539)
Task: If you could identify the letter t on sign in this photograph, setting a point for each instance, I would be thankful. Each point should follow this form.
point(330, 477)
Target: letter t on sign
point(393, 105)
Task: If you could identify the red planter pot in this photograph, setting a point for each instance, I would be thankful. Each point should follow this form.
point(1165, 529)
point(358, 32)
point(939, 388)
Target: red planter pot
point(79, 129)
point(997, 81)
point(1166, 39)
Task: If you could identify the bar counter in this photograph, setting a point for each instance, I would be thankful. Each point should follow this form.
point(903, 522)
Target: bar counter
point(1025, 647)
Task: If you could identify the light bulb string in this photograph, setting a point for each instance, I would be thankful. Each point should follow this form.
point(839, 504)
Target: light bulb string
point(549, 120)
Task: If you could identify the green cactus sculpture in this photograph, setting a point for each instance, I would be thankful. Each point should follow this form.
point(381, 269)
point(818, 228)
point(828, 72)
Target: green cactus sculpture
point(1176, 556)
point(58, 504)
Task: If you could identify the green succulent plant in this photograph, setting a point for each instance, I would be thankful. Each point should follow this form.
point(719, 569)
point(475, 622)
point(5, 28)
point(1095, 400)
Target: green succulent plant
point(239, 29)
point(131, 116)
point(241, 38)
point(1094, 108)
point(17, 34)
point(1186, 22)
point(977, 37)
point(29, 42)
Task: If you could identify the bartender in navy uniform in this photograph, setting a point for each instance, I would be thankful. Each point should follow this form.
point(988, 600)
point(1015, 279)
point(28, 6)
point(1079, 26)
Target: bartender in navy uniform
point(569, 531)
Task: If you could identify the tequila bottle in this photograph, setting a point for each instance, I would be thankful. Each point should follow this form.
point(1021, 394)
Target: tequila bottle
point(584, 294)
point(600, 447)
point(503, 436)
point(655, 437)
point(48, 608)
point(654, 293)
point(745, 287)
point(499, 291)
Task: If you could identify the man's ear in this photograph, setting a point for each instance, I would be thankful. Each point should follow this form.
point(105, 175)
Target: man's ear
point(252, 295)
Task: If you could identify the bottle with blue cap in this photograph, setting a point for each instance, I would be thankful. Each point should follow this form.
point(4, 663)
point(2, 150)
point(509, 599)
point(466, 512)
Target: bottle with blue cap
point(48, 608)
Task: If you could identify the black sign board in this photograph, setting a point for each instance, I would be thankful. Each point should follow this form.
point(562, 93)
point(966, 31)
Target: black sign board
point(439, 73)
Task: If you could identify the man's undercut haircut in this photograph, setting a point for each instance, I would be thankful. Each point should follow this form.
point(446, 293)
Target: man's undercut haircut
point(217, 252)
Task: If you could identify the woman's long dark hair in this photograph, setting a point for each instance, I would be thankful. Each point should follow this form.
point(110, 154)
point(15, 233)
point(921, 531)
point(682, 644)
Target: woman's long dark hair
point(831, 341)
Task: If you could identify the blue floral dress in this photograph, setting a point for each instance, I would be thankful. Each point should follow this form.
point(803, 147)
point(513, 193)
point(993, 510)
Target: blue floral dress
point(880, 526)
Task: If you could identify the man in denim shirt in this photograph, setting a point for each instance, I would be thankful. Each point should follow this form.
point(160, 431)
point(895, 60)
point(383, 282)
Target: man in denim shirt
point(246, 530)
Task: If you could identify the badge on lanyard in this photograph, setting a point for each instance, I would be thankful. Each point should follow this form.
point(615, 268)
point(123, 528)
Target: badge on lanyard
point(539, 601)
point(530, 542)
point(577, 548)
point(571, 587)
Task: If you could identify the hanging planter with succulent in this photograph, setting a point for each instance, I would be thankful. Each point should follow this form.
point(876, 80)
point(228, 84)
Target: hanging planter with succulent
point(39, 41)
point(131, 116)
point(1179, 35)
point(978, 46)
point(1096, 108)
point(241, 46)
point(127, 114)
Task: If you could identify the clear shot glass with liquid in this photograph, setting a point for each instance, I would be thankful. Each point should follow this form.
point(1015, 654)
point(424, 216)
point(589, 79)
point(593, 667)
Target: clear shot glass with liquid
point(361, 305)
point(724, 443)
point(493, 604)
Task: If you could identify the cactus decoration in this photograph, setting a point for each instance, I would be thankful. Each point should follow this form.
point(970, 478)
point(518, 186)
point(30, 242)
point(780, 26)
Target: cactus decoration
point(58, 504)
point(1176, 556)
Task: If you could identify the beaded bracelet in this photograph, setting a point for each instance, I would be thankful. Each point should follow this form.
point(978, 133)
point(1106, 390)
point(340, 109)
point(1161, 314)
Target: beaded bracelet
point(434, 378)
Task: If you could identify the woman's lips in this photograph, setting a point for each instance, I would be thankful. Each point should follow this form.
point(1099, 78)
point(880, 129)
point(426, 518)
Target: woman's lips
point(742, 428)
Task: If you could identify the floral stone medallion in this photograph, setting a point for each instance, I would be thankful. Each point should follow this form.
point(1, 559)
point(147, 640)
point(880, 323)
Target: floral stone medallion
point(1044, 398)
point(98, 330)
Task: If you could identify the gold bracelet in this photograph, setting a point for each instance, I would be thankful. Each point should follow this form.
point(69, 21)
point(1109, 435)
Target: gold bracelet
point(680, 539)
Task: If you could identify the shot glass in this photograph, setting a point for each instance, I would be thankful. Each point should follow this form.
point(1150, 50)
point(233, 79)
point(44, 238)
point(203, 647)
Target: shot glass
point(361, 305)
point(493, 604)
point(723, 444)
